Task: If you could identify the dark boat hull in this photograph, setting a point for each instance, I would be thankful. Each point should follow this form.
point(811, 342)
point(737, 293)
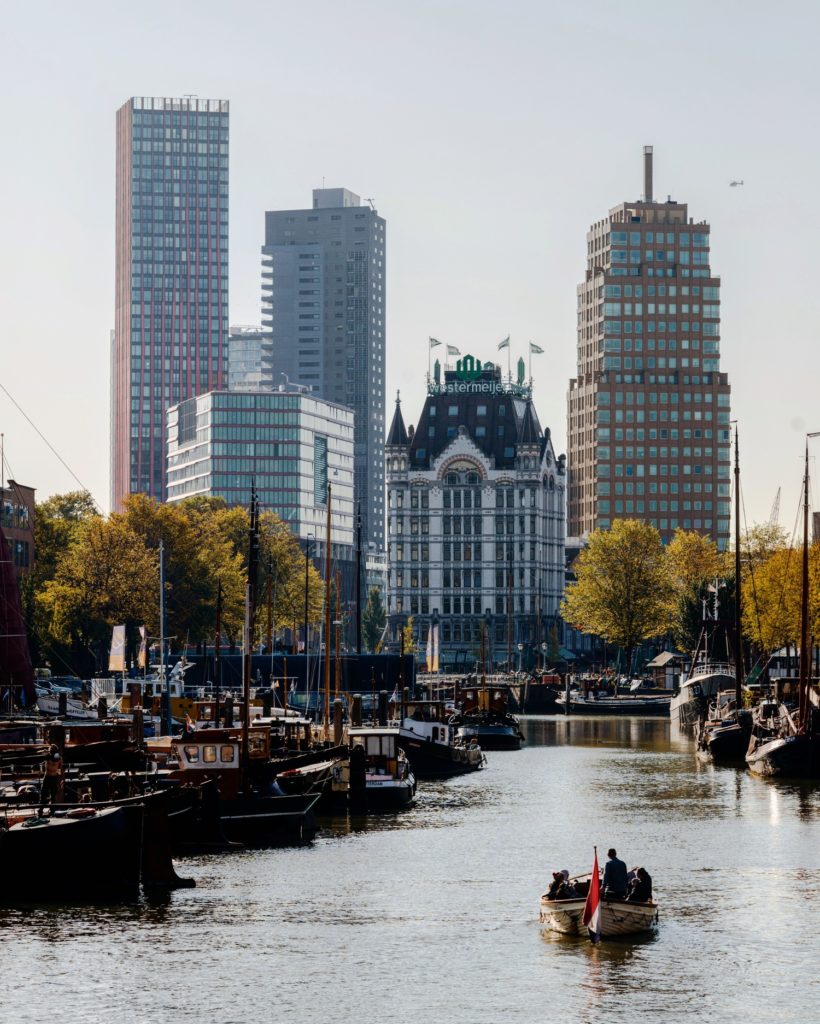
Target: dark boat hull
point(727, 742)
point(269, 820)
point(792, 757)
point(95, 859)
point(434, 760)
point(390, 797)
point(541, 700)
point(492, 737)
point(657, 708)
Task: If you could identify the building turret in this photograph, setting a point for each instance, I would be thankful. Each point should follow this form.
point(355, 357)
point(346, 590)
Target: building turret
point(397, 435)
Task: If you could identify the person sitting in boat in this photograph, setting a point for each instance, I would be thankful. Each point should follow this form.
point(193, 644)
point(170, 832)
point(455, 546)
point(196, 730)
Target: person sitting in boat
point(555, 885)
point(561, 888)
point(640, 887)
point(615, 877)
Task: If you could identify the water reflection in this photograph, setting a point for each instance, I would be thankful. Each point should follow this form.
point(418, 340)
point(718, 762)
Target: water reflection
point(563, 730)
point(437, 907)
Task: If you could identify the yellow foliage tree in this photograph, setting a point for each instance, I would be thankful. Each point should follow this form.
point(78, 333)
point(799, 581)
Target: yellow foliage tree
point(771, 599)
point(692, 562)
point(622, 590)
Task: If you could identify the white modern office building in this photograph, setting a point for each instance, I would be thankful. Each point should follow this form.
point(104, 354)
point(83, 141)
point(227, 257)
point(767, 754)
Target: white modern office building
point(288, 444)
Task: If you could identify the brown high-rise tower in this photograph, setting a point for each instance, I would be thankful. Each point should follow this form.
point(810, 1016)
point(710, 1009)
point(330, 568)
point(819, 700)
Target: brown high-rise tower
point(648, 411)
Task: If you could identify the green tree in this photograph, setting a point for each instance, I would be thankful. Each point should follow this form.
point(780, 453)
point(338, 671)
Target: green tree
point(192, 565)
point(107, 576)
point(622, 591)
point(373, 620)
point(57, 521)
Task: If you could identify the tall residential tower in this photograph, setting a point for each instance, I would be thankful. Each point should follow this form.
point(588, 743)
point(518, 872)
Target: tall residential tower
point(648, 412)
point(171, 325)
point(323, 284)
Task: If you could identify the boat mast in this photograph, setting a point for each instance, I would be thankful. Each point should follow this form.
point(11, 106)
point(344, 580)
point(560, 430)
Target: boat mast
point(250, 618)
point(738, 587)
point(217, 658)
point(359, 579)
point(326, 716)
point(165, 682)
point(337, 675)
point(805, 653)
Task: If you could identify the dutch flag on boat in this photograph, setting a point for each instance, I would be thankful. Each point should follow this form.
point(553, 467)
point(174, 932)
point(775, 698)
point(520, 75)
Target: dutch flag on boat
point(592, 907)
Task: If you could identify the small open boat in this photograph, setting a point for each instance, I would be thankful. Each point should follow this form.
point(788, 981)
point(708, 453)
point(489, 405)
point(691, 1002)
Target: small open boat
point(618, 918)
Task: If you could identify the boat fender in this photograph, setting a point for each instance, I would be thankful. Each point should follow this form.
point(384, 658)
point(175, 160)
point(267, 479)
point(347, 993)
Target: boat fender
point(81, 812)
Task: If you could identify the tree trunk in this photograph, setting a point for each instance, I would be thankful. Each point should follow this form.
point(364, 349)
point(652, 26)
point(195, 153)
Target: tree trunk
point(629, 652)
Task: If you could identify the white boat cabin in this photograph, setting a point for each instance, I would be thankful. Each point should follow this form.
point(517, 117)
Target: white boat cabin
point(429, 721)
point(381, 746)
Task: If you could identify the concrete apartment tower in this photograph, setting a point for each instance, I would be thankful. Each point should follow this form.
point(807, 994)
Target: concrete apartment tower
point(648, 411)
point(171, 319)
point(323, 304)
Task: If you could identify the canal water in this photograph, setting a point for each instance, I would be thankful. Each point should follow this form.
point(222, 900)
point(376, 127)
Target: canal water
point(432, 915)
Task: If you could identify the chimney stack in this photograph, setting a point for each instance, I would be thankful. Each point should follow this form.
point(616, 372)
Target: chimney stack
point(647, 174)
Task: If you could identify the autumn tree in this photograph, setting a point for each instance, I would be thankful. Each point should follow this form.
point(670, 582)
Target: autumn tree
point(407, 635)
point(693, 562)
point(622, 590)
point(771, 599)
point(374, 619)
point(106, 577)
point(282, 557)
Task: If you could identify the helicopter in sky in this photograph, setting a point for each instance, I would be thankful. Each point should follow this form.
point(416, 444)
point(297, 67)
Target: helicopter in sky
point(735, 184)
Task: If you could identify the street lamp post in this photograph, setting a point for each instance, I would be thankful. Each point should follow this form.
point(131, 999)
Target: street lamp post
point(520, 657)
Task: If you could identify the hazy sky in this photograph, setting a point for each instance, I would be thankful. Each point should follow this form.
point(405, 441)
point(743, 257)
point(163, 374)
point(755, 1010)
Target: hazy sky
point(489, 134)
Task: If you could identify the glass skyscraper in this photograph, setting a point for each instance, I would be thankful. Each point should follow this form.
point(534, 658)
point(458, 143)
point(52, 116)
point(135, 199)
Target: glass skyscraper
point(171, 323)
point(323, 305)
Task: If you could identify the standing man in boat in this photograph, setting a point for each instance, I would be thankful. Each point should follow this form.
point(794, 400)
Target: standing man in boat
point(615, 877)
point(52, 775)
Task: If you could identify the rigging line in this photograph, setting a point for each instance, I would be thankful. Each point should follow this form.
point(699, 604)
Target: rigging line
point(738, 583)
point(48, 443)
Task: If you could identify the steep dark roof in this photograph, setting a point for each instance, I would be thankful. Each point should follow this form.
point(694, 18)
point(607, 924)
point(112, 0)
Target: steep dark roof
point(530, 431)
point(397, 434)
point(507, 421)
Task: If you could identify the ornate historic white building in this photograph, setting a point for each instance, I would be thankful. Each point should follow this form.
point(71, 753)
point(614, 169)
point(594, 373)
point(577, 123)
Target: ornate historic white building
point(476, 518)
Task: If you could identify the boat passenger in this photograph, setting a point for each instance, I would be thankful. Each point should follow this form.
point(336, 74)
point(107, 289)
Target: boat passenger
point(615, 880)
point(567, 890)
point(555, 885)
point(640, 888)
point(52, 770)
